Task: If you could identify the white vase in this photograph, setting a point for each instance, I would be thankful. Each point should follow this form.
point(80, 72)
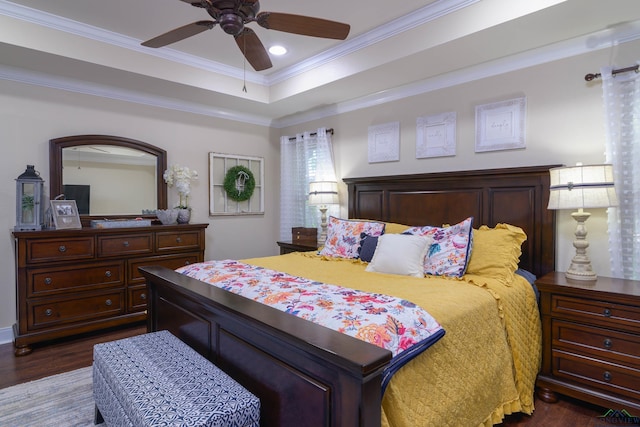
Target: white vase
point(184, 216)
point(167, 216)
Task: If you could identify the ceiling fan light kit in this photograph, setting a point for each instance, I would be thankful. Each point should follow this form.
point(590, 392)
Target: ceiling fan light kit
point(233, 15)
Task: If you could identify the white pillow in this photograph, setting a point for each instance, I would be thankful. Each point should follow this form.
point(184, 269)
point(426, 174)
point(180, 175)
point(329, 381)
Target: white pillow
point(400, 254)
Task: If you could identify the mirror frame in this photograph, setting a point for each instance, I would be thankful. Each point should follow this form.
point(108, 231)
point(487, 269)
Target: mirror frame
point(55, 164)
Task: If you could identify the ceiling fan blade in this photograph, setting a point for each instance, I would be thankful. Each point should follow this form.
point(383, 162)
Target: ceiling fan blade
point(253, 50)
point(305, 25)
point(180, 33)
point(198, 3)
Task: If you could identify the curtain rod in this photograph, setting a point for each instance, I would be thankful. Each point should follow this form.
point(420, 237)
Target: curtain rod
point(590, 76)
point(330, 130)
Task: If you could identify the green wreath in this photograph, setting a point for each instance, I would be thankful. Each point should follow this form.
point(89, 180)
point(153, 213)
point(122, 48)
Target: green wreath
point(240, 192)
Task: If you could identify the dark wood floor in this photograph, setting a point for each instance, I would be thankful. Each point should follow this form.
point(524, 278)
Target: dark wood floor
point(66, 355)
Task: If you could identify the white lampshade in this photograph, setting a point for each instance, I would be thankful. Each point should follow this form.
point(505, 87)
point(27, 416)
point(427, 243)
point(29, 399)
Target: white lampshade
point(323, 193)
point(578, 187)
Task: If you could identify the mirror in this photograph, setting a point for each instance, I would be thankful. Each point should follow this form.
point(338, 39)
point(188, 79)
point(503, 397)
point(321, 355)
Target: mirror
point(108, 176)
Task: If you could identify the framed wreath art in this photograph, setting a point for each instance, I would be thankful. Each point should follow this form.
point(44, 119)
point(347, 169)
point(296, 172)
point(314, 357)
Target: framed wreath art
point(239, 183)
point(236, 184)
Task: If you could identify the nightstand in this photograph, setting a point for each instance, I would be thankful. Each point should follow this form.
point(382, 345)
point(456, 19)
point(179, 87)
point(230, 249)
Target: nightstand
point(591, 341)
point(288, 247)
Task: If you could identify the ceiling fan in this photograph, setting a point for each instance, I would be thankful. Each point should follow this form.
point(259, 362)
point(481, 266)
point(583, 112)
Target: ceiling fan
point(233, 15)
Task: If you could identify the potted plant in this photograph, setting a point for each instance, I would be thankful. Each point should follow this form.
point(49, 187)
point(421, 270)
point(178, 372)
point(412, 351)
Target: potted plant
point(181, 177)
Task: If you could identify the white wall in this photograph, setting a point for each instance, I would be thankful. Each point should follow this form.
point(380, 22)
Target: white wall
point(30, 116)
point(564, 125)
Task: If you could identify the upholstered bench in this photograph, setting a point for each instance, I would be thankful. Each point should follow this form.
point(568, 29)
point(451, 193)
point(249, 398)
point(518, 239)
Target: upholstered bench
point(156, 379)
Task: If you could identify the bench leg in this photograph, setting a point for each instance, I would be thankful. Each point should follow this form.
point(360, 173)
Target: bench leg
point(97, 418)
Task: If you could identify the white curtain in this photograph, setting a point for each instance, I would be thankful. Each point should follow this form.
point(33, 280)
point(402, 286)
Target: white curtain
point(622, 109)
point(303, 159)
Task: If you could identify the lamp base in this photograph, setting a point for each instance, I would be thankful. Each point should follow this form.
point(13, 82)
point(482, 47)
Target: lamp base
point(575, 273)
point(323, 224)
point(580, 268)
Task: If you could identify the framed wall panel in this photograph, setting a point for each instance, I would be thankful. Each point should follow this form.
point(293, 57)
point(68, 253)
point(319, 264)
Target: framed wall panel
point(236, 184)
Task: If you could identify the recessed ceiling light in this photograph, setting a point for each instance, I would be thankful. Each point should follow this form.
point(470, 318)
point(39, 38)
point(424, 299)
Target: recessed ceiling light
point(277, 50)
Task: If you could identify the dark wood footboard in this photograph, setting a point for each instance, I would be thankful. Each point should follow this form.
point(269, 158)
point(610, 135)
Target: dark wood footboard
point(303, 374)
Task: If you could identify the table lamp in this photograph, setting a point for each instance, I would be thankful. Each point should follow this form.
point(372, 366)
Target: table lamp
point(581, 187)
point(321, 194)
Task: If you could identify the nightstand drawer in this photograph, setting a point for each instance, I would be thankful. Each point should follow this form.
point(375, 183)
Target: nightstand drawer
point(609, 377)
point(597, 311)
point(600, 343)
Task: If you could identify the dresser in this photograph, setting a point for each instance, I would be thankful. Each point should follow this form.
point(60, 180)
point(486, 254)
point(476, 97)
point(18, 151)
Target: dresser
point(591, 341)
point(75, 281)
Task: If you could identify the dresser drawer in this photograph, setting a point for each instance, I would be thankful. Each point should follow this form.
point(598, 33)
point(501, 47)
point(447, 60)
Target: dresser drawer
point(46, 281)
point(47, 313)
point(53, 250)
point(609, 377)
point(125, 244)
point(601, 343)
point(598, 312)
point(137, 298)
point(174, 240)
point(169, 261)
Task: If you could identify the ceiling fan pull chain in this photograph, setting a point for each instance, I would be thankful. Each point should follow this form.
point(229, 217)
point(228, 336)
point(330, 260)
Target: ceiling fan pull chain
point(244, 65)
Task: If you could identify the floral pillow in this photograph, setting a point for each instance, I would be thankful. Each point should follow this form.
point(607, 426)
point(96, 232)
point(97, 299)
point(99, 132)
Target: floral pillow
point(451, 248)
point(343, 236)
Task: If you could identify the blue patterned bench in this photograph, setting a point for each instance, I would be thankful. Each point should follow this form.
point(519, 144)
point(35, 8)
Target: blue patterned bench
point(156, 379)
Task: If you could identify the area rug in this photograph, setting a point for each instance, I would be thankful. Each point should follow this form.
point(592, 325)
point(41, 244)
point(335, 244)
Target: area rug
point(62, 400)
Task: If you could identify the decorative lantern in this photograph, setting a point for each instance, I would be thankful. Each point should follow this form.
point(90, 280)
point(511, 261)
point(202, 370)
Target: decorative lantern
point(29, 206)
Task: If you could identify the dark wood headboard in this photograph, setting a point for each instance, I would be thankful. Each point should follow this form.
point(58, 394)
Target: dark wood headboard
point(517, 196)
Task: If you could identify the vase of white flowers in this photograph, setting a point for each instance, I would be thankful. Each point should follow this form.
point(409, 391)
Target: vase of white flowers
point(181, 177)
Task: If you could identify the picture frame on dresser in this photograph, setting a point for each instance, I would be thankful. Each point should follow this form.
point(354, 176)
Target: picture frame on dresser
point(65, 215)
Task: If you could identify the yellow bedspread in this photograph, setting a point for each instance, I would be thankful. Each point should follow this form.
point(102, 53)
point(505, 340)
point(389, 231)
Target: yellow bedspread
point(483, 368)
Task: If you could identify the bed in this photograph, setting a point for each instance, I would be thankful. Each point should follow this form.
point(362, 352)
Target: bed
point(305, 374)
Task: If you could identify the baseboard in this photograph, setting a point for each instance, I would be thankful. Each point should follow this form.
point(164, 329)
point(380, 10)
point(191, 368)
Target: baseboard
point(6, 335)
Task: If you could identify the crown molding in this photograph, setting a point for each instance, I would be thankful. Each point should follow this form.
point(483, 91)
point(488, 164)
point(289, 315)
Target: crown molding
point(565, 49)
point(550, 53)
point(577, 46)
point(21, 75)
point(66, 25)
point(421, 16)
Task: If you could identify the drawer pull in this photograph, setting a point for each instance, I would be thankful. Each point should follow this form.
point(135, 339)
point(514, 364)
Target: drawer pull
point(608, 343)
point(607, 376)
point(108, 302)
point(187, 263)
point(48, 312)
point(178, 240)
point(47, 280)
point(607, 312)
point(125, 244)
point(143, 296)
point(62, 248)
point(107, 273)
